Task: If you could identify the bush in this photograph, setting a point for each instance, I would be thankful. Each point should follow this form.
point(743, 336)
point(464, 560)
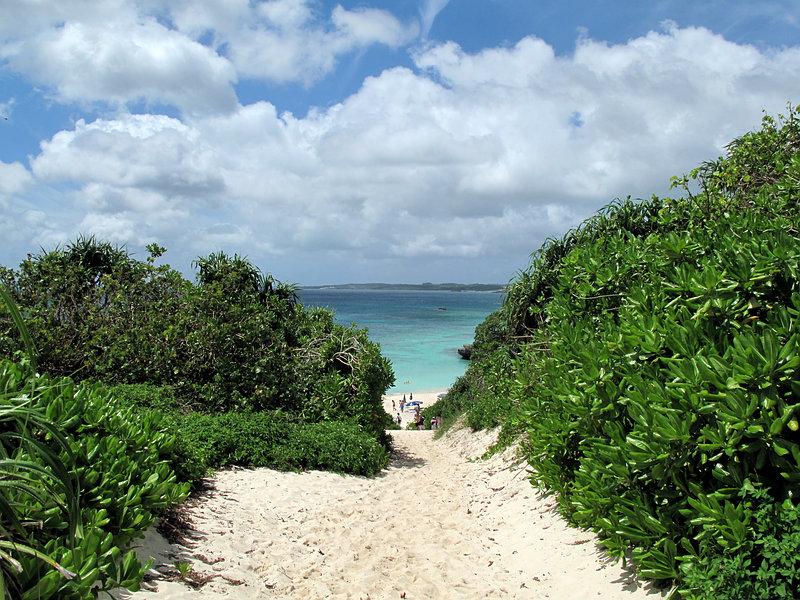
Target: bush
point(235, 340)
point(655, 365)
point(765, 566)
point(335, 446)
point(484, 391)
point(118, 461)
point(145, 396)
point(275, 439)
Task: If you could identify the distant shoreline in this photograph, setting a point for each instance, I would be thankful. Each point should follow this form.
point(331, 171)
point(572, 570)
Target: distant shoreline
point(436, 287)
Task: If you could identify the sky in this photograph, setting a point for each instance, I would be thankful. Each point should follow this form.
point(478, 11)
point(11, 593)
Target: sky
point(367, 141)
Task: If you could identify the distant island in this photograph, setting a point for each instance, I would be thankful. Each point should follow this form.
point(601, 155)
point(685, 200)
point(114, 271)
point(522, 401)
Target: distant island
point(447, 287)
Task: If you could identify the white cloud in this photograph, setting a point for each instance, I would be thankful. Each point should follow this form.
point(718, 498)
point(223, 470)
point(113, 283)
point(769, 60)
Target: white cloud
point(123, 63)
point(429, 9)
point(607, 120)
point(185, 54)
point(475, 155)
point(20, 19)
point(364, 26)
point(285, 15)
point(14, 179)
point(149, 152)
point(288, 40)
point(296, 46)
point(20, 221)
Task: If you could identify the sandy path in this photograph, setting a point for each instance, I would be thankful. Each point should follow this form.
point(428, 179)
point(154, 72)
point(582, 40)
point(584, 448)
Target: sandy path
point(434, 525)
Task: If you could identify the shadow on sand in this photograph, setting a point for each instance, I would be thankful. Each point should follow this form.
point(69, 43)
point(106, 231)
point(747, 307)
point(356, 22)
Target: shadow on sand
point(403, 459)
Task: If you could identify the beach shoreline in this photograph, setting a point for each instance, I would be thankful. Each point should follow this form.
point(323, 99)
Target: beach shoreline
point(426, 398)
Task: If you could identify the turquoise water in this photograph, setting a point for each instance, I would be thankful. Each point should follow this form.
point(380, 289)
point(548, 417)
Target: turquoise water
point(420, 332)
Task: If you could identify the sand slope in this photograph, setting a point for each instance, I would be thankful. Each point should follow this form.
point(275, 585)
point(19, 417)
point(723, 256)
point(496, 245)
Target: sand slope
point(434, 525)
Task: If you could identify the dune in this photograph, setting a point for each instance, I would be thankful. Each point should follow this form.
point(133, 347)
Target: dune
point(438, 523)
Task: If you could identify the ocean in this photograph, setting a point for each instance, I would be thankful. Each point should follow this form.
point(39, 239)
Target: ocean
point(420, 332)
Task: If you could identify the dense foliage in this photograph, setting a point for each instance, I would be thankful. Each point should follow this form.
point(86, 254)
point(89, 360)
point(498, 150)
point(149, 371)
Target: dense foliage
point(151, 380)
point(95, 476)
point(652, 359)
point(235, 339)
point(273, 439)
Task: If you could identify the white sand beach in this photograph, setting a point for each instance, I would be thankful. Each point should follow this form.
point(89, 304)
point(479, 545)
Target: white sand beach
point(438, 523)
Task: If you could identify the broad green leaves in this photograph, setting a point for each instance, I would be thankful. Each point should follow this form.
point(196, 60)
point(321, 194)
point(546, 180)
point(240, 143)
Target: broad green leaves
point(657, 364)
point(93, 475)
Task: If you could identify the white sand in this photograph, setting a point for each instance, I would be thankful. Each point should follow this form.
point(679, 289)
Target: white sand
point(436, 524)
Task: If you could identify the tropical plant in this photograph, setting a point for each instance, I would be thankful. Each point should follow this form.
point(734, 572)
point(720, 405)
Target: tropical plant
point(653, 361)
point(79, 479)
point(235, 341)
point(118, 462)
point(45, 480)
point(30, 471)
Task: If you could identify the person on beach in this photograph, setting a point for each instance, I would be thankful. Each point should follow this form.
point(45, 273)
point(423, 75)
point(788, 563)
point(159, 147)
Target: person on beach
point(393, 405)
point(399, 419)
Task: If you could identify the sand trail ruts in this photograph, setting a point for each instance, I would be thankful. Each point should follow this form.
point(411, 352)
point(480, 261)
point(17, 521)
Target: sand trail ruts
point(438, 523)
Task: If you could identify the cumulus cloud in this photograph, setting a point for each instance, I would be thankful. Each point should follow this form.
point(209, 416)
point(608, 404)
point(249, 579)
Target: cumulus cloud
point(20, 221)
point(608, 119)
point(123, 63)
point(466, 157)
point(20, 19)
point(295, 46)
point(365, 26)
point(289, 40)
point(186, 54)
point(14, 178)
point(149, 152)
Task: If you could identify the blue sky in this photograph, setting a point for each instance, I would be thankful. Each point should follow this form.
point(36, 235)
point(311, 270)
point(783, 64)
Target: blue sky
point(403, 141)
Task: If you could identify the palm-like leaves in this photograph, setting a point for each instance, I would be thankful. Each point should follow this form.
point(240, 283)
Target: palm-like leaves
point(29, 467)
point(241, 279)
point(5, 298)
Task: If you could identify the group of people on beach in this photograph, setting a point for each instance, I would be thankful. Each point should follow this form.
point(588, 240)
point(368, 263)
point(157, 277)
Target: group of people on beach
point(419, 419)
point(402, 402)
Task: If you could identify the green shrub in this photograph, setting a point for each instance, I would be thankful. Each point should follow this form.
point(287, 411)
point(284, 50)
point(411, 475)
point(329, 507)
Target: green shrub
point(334, 446)
point(483, 392)
point(244, 439)
point(275, 439)
point(236, 339)
point(145, 396)
point(678, 392)
point(118, 460)
point(765, 566)
point(654, 362)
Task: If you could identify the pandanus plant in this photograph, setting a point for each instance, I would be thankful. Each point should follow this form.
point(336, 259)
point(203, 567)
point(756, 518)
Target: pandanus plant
point(30, 469)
